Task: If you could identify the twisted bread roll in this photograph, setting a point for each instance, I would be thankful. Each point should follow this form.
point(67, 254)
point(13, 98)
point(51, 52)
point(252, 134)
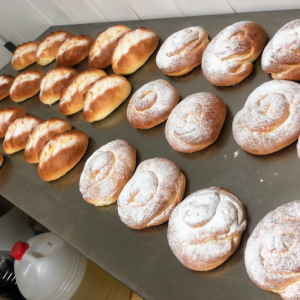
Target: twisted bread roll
point(54, 82)
point(26, 85)
point(1, 159)
point(102, 48)
point(272, 254)
point(8, 116)
point(40, 135)
point(133, 50)
point(6, 81)
point(196, 122)
point(150, 196)
point(71, 97)
point(182, 51)
point(24, 55)
point(48, 48)
point(106, 172)
point(229, 58)
point(270, 119)
point(104, 96)
point(205, 229)
point(18, 132)
point(72, 51)
point(62, 153)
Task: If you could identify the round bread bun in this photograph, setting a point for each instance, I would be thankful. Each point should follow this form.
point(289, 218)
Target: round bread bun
point(150, 196)
point(73, 50)
point(195, 122)
point(18, 132)
point(106, 172)
point(62, 153)
point(229, 57)
point(1, 159)
point(102, 48)
point(182, 51)
point(152, 104)
point(104, 96)
point(40, 135)
point(133, 50)
point(71, 97)
point(26, 85)
point(47, 50)
point(6, 81)
point(205, 229)
point(24, 55)
point(8, 116)
point(272, 254)
point(270, 119)
point(54, 82)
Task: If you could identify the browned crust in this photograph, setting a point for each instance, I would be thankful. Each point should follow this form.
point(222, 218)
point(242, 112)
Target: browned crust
point(1, 159)
point(5, 87)
point(13, 113)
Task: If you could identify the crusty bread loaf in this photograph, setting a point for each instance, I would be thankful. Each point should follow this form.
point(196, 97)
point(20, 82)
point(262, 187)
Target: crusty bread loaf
point(6, 81)
point(1, 159)
point(48, 49)
point(71, 97)
point(24, 55)
point(62, 153)
point(133, 50)
point(104, 96)
point(8, 116)
point(54, 82)
point(40, 135)
point(102, 48)
point(26, 85)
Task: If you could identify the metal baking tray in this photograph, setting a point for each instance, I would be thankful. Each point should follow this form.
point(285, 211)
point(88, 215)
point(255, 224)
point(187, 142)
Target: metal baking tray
point(142, 259)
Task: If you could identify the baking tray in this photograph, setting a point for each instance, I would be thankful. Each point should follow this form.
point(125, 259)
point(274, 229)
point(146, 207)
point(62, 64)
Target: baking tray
point(142, 260)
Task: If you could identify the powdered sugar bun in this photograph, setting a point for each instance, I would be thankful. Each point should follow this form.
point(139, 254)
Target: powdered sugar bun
point(182, 51)
point(270, 119)
point(6, 81)
point(106, 172)
point(229, 58)
point(8, 116)
point(205, 229)
point(152, 104)
point(195, 122)
point(272, 254)
point(150, 196)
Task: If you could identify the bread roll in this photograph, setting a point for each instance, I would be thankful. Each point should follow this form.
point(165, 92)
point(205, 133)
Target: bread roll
point(6, 81)
point(18, 132)
point(54, 82)
point(62, 153)
point(104, 96)
point(133, 50)
point(229, 57)
point(1, 159)
point(71, 97)
point(26, 85)
point(24, 55)
point(72, 51)
point(182, 51)
point(8, 116)
point(40, 135)
point(47, 50)
point(102, 48)
point(196, 122)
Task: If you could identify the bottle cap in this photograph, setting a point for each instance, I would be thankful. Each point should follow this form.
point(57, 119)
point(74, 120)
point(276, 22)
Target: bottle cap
point(18, 250)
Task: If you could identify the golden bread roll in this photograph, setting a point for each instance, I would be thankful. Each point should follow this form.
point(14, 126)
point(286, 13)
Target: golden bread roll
point(133, 50)
point(150, 196)
point(104, 96)
point(205, 229)
point(152, 104)
point(40, 135)
point(229, 57)
point(72, 51)
point(71, 97)
point(26, 85)
point(62, 153)
point(195, 122)
point(6, 81)
point(182, 51)
point(54, 82)
point(48, 49)
point(18, 132)
point(1, 159)
point(106, 172)
point(8, 116)
point(102, 48)
point(24, 55)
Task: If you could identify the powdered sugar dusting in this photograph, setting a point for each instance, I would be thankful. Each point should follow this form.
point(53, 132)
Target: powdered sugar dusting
point(3, 80)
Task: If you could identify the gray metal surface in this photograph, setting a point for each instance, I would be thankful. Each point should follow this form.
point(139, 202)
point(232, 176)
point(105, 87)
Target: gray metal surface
point(142, 260)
